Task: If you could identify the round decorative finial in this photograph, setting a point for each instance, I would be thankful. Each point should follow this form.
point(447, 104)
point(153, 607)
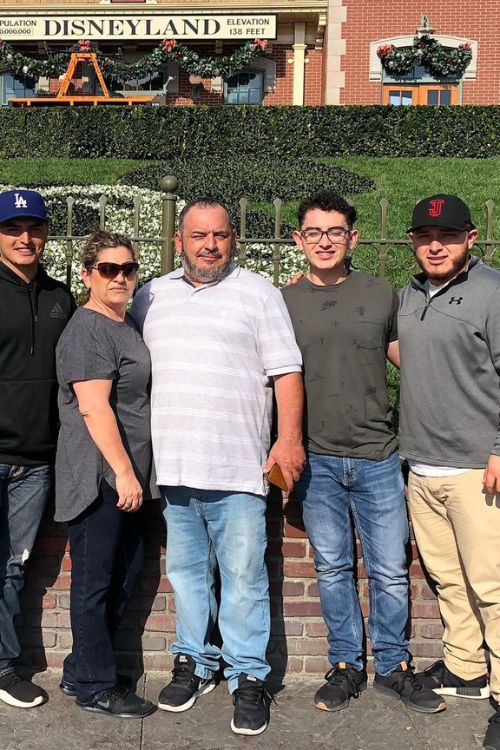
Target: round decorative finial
point(169, 183)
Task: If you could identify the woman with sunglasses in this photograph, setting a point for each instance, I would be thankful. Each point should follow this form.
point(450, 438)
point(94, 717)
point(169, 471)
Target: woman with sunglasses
point(103, 465)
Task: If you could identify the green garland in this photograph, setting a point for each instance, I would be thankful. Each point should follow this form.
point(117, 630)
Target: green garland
point(439, 61)
point(149, 65)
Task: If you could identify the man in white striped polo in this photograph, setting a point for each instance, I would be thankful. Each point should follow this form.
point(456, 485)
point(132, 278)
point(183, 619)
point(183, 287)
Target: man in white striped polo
point(220, 338)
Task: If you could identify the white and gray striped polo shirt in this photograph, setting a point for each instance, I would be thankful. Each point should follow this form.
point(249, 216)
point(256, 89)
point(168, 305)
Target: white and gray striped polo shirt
point(213, 350)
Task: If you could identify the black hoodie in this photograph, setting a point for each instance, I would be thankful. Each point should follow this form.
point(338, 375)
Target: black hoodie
point(32, 317)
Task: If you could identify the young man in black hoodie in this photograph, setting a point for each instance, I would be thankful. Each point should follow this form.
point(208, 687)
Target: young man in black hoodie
point(34, 309)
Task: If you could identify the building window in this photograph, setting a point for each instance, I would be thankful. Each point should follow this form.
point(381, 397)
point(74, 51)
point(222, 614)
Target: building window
point(245, 87)
point(400, 96)
point(436, 94)
point(439, 97)
point(154, 82)
point(12, 87)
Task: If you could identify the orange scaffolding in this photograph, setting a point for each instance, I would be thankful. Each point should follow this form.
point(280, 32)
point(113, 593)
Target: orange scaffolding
point(62, 96)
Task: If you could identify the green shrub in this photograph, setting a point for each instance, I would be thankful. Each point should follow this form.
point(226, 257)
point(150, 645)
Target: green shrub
point(260, 181)
point(149, 132)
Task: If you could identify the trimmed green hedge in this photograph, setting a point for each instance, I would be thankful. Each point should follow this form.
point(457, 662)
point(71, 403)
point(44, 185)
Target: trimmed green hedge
point(149, 132)
point(260, 181)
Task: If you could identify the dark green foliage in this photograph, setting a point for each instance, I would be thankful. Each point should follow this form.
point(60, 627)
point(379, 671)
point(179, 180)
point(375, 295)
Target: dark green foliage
point(230, 179)
point(163, 133)
point(85, 218)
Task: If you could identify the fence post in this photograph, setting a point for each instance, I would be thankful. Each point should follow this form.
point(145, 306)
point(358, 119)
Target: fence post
point(276, 248)
point(490, 247)
point(69, 242)
point(169, 186)
point(242, 252)
point(382, 257)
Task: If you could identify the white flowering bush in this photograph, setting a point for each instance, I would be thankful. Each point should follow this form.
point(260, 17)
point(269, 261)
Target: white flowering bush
point(125, 209)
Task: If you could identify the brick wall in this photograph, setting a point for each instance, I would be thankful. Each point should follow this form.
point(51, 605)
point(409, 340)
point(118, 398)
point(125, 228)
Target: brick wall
point(298, 646)
point(368, 22)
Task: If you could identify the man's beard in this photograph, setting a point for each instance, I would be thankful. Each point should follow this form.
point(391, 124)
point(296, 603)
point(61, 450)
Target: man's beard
point(205, 275)
point(459, 264)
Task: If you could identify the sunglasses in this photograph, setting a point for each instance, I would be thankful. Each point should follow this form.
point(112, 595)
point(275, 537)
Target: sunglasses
point(110, 270)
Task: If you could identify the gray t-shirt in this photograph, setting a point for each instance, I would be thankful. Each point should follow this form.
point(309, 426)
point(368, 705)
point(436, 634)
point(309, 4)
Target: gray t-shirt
point(342, 331)
point(95, 347)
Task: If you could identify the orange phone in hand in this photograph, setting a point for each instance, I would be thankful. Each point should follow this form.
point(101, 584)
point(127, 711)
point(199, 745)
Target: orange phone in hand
point(275, 476)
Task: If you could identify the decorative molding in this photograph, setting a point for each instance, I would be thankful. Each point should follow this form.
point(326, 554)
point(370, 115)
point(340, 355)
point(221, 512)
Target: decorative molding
point(376, 70)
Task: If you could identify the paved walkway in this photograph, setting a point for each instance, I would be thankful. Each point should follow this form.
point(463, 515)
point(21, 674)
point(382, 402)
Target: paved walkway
point(373, 722)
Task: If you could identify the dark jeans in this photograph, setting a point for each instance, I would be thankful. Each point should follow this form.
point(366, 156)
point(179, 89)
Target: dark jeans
point(24, 491)
point(107, 555)
point(332, 491)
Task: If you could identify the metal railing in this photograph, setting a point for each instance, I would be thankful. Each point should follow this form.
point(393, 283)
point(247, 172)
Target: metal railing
point(380, 256)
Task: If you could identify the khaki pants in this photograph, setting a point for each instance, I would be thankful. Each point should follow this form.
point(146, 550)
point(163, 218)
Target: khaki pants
point(457, 530)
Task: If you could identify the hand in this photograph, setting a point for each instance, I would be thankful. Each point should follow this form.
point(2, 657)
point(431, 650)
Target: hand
point(129, 492)
point(295, 279)
point(290, 457)
point(491, 477)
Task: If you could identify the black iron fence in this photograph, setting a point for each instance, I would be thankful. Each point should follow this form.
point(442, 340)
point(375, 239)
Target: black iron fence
point(380, 256)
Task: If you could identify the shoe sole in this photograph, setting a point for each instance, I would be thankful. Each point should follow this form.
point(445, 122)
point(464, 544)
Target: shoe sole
point(67, 691)
point(11, 701)
point(97, 710)
point(420, 709)
point(185, 706)
point(324, 707)
point(464, 692)
point(246, 731)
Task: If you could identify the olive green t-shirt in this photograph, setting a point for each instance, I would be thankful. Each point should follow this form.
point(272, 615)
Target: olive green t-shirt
point(343, 331)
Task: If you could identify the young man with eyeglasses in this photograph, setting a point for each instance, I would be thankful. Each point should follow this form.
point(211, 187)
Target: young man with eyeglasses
point(449, 323)
point(346, 326)
point(34, 310)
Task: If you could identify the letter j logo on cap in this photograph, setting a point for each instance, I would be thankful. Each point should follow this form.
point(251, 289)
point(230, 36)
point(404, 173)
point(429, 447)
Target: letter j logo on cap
point(436, 206)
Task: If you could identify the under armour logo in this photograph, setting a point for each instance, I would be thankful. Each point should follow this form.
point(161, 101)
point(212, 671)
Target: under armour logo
point(436, 206)
point(455, 301)
point(20, 201)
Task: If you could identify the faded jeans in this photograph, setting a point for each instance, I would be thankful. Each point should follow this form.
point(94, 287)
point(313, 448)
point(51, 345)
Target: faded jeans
point(206, 527)
point(24, 491)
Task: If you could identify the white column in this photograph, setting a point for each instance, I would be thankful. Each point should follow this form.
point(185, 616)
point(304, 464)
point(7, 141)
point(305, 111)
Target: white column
point(335, 48)
point(299, 56)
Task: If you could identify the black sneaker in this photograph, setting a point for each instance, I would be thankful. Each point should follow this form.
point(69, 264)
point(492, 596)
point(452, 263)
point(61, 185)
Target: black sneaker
point(185, 687)
point(251, 706)
point(403, 684)
point(20, 693)
point(438, 677)
point(342, 683)
point(492, 736)
point(118, 701)
point(68, 688)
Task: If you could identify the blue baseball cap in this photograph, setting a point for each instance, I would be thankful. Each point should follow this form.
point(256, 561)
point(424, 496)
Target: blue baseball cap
point(16, 203)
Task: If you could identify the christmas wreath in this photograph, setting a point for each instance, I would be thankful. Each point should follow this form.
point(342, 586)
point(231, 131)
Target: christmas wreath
point(117, 70)
point(439, 61)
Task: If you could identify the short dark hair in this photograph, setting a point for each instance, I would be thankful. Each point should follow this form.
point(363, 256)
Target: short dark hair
point(202, 203)
point(328, 201)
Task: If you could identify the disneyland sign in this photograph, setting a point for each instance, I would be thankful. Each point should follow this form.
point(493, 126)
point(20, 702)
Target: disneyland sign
point(70, 27)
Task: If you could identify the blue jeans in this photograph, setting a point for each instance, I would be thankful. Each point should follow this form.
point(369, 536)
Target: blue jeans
point(332, 492)
point(107, 555)
point(206, 527)
point(24, 491)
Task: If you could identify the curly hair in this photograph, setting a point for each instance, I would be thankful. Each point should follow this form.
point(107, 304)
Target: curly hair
point(328, 201)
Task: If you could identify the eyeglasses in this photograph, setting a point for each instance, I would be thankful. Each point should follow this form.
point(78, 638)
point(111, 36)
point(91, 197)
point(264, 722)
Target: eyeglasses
point(334, 234)
point(110, 270)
